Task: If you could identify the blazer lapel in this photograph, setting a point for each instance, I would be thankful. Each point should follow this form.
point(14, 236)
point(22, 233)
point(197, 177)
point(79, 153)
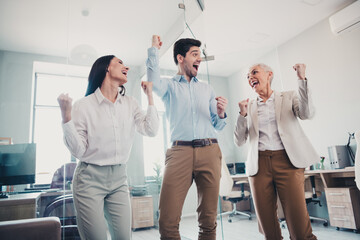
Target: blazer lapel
point(278, 102)
point(254, 115)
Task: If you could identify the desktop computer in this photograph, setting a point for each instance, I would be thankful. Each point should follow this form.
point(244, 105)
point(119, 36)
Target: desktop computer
point(236, 168)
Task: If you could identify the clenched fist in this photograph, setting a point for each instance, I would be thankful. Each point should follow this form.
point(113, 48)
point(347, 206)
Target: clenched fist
point(147, 87)
point(221, 106)
point(156, 41)
point(300, 70)
point(65, 103)
point(243, 105)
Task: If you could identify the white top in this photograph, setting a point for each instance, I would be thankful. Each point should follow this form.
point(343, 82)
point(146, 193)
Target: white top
point(269, 138)
point(102, 132)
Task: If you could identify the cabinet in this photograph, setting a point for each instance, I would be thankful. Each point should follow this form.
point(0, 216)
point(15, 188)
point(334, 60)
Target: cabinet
point(343, 207)
point(142, 212)
point(19, 206)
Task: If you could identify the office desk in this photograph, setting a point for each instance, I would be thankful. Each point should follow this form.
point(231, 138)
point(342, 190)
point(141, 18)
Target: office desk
point(239, 177)
point(342, 196)
point(335, 177)
point(19, 206)
point(327, 178)
point(26, 205)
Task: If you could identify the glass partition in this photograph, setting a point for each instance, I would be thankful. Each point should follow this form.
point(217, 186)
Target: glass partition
point(48, 48)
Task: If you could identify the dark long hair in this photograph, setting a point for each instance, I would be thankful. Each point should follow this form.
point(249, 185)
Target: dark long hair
point(98, 73)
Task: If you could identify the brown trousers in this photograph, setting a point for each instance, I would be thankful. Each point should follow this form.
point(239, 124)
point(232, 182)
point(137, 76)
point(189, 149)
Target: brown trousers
point(184, 164)
point(277, 175)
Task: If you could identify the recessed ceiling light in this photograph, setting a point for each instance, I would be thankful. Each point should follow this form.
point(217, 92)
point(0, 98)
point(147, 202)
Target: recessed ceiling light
point(311, 2)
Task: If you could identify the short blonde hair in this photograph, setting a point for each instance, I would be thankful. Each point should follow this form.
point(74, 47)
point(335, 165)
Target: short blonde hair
point(265, 67)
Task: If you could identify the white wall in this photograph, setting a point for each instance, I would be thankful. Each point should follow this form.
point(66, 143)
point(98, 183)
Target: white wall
point(333, 63)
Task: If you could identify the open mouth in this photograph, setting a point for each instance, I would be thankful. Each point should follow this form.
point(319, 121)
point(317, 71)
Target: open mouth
point(254, 83)
point(196, 66)
point(125, 73)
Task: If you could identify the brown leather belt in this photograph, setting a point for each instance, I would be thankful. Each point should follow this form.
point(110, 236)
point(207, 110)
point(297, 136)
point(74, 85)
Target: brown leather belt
point(196, 142)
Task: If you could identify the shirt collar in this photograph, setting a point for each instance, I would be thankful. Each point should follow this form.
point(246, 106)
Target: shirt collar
point(271, 98)
point(100, 97)
point(178, 78)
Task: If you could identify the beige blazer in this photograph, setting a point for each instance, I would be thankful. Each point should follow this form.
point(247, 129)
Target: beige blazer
point(289, 106)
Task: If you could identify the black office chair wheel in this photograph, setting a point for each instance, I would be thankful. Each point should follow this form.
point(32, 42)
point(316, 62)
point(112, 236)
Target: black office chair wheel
point(356, 231)
point(325, 224)
point(229, 220)
point(250, 218)
point(337, 228)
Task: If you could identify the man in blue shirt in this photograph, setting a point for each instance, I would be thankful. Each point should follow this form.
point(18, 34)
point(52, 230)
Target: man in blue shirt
point(194, 114)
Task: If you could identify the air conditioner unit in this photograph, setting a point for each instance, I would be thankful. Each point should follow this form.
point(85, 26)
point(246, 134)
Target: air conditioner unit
point(346, 19)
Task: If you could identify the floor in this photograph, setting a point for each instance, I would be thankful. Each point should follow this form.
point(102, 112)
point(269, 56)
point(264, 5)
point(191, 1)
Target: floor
point(242, 228)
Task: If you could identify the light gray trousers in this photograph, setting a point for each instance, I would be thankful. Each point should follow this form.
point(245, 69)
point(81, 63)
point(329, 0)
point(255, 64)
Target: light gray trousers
point(102, 201)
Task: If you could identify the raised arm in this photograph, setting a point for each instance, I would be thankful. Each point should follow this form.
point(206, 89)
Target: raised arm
point(153, 71)
point(302, 103)
point(75, 137)
point(147, 124)
point(241, 132)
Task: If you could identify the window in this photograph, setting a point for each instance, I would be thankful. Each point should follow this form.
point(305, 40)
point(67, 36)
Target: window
point(46, 125)
point(155, 147)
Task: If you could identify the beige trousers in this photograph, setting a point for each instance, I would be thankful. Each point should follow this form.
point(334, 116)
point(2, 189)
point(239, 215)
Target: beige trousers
point(102, 201)
point(184, 164)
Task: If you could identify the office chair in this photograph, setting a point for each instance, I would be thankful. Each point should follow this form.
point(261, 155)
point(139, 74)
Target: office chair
point(310, 197)
point(63, 208)
point(236, 196)
point(63, 176)
point(280, 213)
point(313, 197)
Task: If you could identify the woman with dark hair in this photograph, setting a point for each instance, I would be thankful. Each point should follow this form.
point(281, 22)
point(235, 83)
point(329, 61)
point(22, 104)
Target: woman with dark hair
point(99, 130)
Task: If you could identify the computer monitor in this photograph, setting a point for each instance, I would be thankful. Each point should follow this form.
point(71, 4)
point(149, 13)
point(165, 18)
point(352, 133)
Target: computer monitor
point(17, 164)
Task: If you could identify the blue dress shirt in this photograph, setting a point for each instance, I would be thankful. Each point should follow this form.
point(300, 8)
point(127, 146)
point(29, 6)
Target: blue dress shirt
point(190, 107)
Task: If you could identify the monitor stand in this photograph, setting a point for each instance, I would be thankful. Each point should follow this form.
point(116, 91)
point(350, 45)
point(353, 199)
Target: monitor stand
point(2, 194)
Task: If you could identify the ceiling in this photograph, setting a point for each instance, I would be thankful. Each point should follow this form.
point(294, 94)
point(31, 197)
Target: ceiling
point(234, 31)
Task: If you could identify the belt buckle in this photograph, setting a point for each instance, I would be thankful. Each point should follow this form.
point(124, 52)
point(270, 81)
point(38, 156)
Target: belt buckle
point(198, 143)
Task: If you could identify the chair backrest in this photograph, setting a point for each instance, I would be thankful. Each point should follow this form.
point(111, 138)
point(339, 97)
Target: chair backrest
point(63, 175)
point(63, 208)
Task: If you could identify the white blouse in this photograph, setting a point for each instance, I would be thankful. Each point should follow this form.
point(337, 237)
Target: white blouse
point(102, 132)
point(269, 138)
